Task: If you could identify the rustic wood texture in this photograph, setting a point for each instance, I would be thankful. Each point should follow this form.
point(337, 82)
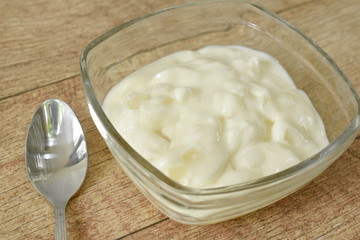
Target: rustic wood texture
point(40, 42)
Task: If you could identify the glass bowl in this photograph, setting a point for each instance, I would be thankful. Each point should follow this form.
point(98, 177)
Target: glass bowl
point(109, 58)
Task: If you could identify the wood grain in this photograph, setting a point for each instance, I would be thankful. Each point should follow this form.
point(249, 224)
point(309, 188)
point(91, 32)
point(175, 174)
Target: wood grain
point(39, 50)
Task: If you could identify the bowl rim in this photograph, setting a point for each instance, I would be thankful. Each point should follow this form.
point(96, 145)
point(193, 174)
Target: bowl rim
point(153, 172)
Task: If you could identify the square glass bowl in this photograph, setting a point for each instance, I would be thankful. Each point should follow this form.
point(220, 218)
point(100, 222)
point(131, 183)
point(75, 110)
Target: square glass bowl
point(130, 46)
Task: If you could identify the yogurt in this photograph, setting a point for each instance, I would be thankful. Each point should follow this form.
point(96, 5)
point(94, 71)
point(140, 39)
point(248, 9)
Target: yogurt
point(217, 116)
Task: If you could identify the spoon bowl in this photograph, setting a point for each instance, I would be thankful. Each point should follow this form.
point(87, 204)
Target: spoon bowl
point(56, 156)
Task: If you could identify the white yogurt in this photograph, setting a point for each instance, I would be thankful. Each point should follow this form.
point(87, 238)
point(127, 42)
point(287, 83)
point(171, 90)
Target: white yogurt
point(215, 117)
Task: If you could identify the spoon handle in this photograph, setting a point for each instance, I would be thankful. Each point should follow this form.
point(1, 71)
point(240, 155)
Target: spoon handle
point(60, 224)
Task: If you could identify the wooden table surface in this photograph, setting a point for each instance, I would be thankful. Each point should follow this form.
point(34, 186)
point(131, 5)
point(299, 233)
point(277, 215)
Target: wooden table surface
point(40, 44)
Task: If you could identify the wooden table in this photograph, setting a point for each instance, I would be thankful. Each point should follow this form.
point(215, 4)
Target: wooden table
point(40, 43)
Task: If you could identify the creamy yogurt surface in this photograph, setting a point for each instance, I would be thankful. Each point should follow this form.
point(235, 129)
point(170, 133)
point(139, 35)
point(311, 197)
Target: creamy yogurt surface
point(217, 116)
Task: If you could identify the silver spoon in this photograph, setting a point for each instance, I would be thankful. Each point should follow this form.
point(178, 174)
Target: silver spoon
point(56, 156)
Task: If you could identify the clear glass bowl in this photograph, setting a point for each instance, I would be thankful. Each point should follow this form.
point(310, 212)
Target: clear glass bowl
point(124, 49)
